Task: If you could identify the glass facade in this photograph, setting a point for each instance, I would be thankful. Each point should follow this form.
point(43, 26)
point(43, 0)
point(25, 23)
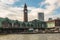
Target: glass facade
point(19, 24)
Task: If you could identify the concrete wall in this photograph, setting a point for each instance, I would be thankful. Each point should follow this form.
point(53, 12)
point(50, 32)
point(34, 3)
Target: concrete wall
point(30, 37)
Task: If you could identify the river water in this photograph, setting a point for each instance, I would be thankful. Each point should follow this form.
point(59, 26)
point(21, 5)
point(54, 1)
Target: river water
point(30, 37)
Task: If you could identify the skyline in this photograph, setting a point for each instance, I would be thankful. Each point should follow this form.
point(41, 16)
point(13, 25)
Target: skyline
point(13, 9)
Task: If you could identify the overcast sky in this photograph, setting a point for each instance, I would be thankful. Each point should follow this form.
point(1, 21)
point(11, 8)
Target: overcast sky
point(13, 9)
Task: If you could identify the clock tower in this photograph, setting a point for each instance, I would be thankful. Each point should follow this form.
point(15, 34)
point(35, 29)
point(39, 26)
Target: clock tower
point(25, 13)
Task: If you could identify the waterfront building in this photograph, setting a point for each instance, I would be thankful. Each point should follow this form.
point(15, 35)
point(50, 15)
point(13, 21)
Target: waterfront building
point(28, 26)
point(38, 24)
point(6, 23)
point(53, 23)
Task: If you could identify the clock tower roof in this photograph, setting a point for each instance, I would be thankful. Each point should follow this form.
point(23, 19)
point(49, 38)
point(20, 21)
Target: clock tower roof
point(25, 5)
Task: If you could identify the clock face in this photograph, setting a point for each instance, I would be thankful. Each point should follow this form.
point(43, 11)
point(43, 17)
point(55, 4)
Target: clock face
point(25, 11)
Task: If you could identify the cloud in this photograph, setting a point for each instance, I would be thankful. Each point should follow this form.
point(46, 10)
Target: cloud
point(8, 1)
point(34, 13)
point(52, 5)
point(48, 11)
point(16, 13)
point(52, 2)
point(10, 12)
point(52, 16)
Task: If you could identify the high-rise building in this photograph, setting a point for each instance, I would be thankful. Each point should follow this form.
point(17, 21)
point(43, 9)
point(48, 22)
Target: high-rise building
point(49, 19)
point(41, 16)
point(25, 13)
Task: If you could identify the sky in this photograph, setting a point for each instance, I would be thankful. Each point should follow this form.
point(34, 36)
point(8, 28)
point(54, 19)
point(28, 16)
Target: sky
point(13, 9)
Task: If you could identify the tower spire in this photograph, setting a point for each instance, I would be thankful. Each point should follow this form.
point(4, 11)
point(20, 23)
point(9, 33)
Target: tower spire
point(25, 5)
